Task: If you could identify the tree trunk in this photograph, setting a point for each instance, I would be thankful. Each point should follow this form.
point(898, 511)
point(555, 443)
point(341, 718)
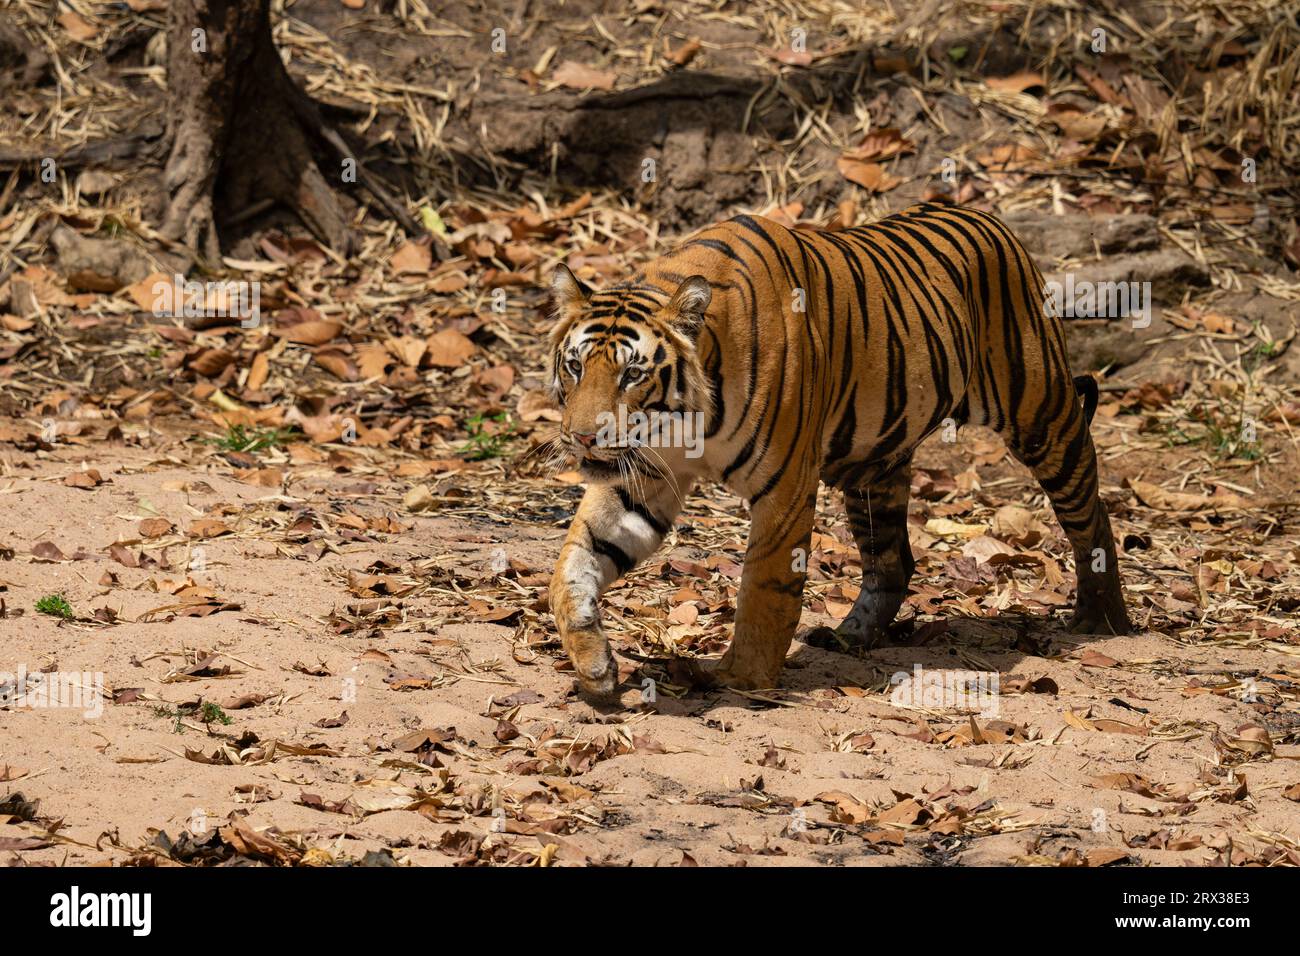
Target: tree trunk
point(241, 133)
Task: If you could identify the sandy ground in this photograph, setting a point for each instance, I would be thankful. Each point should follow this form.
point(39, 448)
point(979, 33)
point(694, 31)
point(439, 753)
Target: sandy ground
point(326, 653)
point(337, 603)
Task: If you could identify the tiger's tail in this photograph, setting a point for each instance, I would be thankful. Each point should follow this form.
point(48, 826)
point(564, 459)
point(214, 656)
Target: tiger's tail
point(1086, 386)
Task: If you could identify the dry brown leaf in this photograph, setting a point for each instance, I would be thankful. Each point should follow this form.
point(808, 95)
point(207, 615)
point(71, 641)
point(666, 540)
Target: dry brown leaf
point(1153, 496)
point(870, 176)
point(1016, 82)
point(576, 76)
point(411, 258)
point(310, 331)
point(449, 349)
point(207, 528)
point(90, 478)
point(78, 27)
point(154, 527)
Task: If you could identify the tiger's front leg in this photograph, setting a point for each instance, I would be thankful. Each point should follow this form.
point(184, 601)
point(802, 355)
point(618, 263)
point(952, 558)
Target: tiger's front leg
point(612, 531)
point(771, 589)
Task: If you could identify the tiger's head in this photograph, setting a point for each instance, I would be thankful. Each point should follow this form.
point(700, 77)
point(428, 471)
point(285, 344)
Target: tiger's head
point(619, 358)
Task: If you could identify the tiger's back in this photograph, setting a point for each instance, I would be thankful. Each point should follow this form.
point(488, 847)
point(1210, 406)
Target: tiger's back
point(857, 344)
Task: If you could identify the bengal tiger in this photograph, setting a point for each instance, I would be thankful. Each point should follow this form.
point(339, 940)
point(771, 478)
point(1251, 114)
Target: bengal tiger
point(806, 357)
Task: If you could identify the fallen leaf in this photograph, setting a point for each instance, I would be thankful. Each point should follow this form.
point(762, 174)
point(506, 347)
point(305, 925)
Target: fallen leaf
point(870, 176)
point(1016, 82)
point(154, 527)
point(579, 77)
point(449, 349)
point(411, 257)
point(90, 478)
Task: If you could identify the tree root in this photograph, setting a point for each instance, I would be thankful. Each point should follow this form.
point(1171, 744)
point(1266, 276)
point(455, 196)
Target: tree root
point(141, 141)
point(243, 136)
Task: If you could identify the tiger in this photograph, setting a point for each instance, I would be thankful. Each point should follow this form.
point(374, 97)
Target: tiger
point(809, 356)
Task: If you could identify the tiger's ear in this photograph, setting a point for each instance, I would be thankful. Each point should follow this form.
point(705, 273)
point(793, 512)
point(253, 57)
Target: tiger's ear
point(688, 305)
point(567, 292)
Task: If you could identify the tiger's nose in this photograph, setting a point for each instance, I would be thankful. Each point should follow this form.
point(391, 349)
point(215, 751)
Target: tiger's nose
point(586, 440)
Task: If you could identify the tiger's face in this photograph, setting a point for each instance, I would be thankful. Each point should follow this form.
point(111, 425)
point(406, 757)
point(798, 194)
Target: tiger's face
point(620, 358)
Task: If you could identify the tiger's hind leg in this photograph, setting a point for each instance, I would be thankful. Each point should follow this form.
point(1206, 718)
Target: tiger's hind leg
point(1063, 460)
point(878, 519)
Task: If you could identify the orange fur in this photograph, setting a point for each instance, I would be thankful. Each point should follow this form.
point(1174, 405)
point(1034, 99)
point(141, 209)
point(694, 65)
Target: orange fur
point(813, 356)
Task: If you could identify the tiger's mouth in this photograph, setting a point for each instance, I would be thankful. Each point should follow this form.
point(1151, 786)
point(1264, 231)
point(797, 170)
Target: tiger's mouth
point(594, 452)
point(613, 465)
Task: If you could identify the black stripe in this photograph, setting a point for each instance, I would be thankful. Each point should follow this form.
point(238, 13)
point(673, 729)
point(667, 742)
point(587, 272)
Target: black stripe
point(617, 556)
point(641, 511)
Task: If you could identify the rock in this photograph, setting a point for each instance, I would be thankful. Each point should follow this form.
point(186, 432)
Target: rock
point(1123, 340)
point(1133, 232)
point(22, 299)
point(107, 265)
point(1112, 347)
point(20, 59)
point(418, 499)
point(1169, 272)
point(95, 182)
point(679, 144)
point(1049, 237)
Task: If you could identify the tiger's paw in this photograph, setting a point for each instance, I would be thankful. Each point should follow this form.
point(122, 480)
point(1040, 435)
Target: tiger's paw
point(1099, 606)
point(725, 674)
point(597, 676)
point(1100, 620)
point(849, 639)
point(834, 639)
point(739, 681)
point(599, 689)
